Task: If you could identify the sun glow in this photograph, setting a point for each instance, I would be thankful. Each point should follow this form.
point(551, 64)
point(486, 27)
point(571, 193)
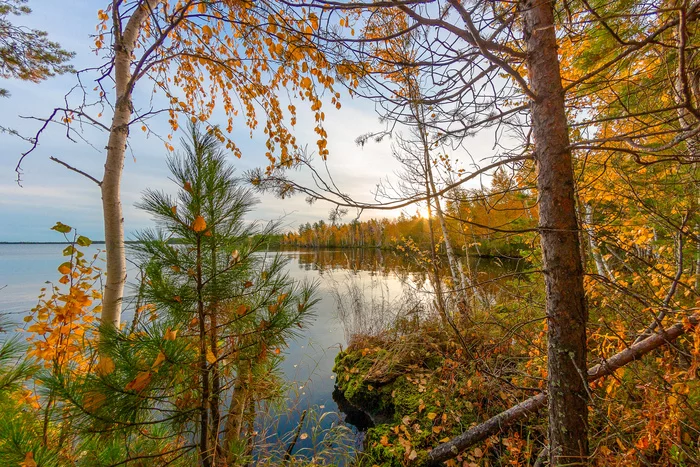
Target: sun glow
point(422, 210)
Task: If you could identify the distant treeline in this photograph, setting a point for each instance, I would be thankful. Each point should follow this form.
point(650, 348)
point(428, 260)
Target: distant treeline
point(490, 222)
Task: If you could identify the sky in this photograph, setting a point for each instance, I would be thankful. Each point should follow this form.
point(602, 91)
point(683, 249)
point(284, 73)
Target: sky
point(51, 193)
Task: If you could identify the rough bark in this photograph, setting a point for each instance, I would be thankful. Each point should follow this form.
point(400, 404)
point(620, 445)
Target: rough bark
point(124, 43)
point(563, 269)
point(532, 405)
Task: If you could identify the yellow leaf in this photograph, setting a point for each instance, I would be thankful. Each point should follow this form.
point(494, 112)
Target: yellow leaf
point(64, 268)
point(384, 440)
point(306, 82)
point(303, 436)
point(139, 383)
point(432, 415)
point(202, 7)
point(28, 460)
point(206, 30)
point(199, 224)
point(437, 429)
point(174, 210)
point(105, 366)
point(159, 360)
point(210, 357)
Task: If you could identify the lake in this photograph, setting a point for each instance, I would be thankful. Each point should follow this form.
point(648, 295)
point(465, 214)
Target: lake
point(362, 286)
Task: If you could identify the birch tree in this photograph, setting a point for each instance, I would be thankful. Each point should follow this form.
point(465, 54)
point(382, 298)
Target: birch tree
point(196, 56)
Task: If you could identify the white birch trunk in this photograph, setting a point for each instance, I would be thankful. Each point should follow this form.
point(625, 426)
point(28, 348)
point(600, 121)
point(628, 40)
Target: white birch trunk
point(124, 44)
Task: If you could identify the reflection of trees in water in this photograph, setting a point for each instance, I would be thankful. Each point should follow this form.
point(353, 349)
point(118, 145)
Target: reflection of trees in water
point(379, 287)
point(487, 272)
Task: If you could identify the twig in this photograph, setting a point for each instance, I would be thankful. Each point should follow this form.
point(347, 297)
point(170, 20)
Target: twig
point(290, 448)
point(70, 167)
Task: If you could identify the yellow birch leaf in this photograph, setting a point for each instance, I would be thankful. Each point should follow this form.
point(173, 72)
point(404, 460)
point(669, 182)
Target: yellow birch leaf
point(170, 334)
point(210, 357)
point(105, 366)
point(202, 7)
point(199, 224)
point(432, 415)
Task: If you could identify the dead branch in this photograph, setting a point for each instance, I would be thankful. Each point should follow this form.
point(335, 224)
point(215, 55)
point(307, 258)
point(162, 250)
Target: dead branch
point(521, 411)
point(70, 167)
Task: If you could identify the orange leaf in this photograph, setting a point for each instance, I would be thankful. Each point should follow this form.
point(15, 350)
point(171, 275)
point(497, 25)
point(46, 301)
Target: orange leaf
point(93, 400)
point(248, 284)
point(28, 461)
point(159, 360)
point(202, 7)
point(170, 334)
point(188, 187)
point(242, 309)
point(306, 82)
point(199, 224)
point(139, 383)
point(64, 268)
point(174, 210)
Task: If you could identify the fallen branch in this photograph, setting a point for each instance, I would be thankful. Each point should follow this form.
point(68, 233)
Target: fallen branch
point(479, 433)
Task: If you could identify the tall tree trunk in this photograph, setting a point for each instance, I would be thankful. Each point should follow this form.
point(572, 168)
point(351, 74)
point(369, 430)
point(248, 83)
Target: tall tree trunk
point(124, 44)
point(563, 270)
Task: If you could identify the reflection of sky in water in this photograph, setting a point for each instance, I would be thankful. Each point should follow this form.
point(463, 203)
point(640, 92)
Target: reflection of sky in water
point(24, 270)
point(375, 278)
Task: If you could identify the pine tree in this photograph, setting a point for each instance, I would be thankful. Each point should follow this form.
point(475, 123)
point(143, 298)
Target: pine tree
point(181, 382)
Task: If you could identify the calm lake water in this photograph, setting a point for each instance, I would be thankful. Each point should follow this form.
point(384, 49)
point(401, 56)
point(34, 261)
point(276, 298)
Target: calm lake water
point(368, 279)
point(25, 269)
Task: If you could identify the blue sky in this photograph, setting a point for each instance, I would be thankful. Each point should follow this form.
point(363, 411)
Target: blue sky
point(51, 193)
